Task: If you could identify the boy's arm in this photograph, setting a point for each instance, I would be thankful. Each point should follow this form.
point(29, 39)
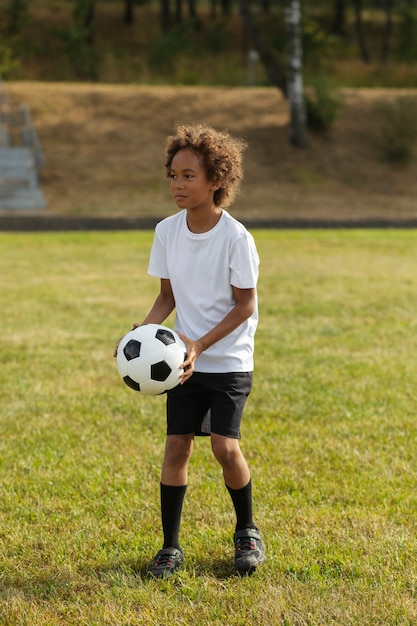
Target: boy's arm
point(245, 303)
point(163, 305)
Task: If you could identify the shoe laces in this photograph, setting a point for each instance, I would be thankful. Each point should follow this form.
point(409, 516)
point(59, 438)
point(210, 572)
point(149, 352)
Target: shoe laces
point(245, 544)
point(164, 560)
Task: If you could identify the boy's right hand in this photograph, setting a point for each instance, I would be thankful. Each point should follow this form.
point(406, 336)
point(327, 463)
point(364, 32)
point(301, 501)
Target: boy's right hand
point(194, 349)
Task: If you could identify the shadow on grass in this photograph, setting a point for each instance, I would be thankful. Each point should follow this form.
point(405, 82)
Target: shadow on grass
point(54, 584)
point(222, 569)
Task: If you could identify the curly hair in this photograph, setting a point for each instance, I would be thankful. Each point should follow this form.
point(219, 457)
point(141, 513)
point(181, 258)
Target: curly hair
point(219, 153)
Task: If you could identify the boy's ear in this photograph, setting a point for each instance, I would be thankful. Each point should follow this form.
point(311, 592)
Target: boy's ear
point(215, 185)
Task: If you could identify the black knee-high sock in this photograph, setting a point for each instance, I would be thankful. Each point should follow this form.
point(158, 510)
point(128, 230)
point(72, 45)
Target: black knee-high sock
point(242, 501)
point(172, 499)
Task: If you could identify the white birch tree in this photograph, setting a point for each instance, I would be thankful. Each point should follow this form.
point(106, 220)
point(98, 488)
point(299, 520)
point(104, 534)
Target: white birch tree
point(295, 95)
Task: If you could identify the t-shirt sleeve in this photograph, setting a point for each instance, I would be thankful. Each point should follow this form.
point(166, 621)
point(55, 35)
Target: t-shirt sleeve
point(244, 263)
point(158, 259)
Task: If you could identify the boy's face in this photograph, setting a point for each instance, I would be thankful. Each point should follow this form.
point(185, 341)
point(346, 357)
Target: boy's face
point(190, 186)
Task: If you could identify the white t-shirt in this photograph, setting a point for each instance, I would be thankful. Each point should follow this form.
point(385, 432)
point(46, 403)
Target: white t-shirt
point(202, 269)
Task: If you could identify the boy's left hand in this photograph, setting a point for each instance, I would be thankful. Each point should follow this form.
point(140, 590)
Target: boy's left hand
point(194, 349)
point(119, 340)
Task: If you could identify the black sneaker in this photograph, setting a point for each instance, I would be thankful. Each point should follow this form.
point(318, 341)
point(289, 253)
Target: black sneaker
point(249, 550)
point(166, 563)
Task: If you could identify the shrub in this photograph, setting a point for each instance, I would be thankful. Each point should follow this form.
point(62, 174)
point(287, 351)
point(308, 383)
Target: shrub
point(406, 48)
point(397, 129)
point(9, 62)
point(322, 105)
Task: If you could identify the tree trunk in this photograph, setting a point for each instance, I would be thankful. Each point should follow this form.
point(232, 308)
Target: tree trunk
point(359, 31)
point(192, 10)
point(17, 14)
point(226, 7)
point(89, 21)
point(165, 16)
point(274, 70)
point(298, 122)
point(129, 16)
point(266, 6)
point(339, 17)
point(83, 55)
point(178, 12)
point(386, 35)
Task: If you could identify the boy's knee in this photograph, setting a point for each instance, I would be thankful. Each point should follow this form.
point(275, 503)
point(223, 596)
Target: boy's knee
point(226, 450)
point(178, 449)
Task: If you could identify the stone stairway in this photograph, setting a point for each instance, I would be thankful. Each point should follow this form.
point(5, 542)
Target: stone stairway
point(21, 157)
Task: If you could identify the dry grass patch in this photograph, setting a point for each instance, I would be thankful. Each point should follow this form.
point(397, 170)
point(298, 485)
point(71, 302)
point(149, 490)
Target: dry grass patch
point(104, 148)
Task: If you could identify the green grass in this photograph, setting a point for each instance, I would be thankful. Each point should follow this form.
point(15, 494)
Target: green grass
point(329, 432)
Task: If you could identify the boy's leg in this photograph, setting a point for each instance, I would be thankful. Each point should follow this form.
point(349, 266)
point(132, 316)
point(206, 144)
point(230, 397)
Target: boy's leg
point(236, 476)
point(172, 499)
point(242, 502)
point(178, 449)
point(249, 547)
point(172, 491)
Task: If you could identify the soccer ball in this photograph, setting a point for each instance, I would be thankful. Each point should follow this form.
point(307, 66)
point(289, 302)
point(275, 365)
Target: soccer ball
point(149, 358)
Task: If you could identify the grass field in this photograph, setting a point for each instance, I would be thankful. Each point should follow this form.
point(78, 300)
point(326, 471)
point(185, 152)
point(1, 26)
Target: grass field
point(329, 432)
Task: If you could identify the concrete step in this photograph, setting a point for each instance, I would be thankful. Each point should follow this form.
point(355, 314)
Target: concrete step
point(16, 155)
point(18, 167)
point(21, 198)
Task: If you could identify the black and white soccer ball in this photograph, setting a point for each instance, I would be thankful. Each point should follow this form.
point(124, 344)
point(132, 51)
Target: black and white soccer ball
point(149, 358)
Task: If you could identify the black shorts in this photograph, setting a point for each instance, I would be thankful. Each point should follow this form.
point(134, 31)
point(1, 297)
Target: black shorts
point(208, 403)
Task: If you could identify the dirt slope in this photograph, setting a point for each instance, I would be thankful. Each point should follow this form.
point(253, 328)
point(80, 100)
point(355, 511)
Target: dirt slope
point(104, 149)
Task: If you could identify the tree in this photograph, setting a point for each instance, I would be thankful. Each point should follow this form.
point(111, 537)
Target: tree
point(79, 40)
point(387, 32)
point(18, 16)
point(165, 13)
point(298, 124)
point(289, 80)
point(226, 7)
point(339, 17)
point(129, 15)
point(84, 19)
point(357, 4)
point(275, 71)
point(192, 10)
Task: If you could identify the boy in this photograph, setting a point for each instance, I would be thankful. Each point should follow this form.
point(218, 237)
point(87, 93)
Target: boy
point(207, 264)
